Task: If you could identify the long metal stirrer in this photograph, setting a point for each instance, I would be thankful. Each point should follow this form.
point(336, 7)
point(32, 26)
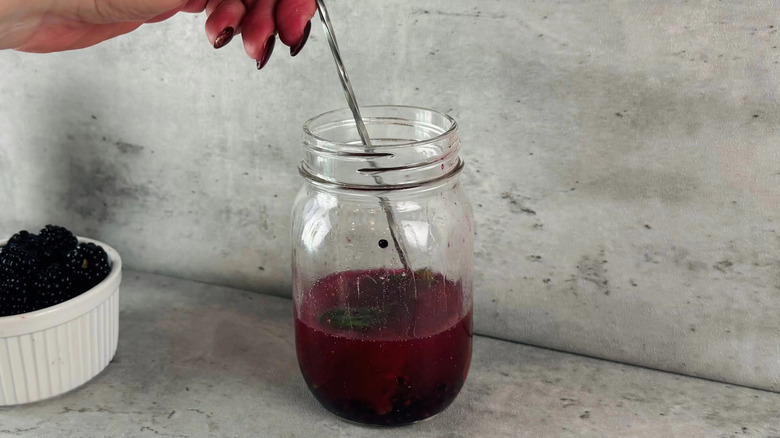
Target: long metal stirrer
point(361, 128)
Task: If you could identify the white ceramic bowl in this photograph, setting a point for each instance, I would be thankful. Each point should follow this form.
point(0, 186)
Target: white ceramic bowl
point(53, 350)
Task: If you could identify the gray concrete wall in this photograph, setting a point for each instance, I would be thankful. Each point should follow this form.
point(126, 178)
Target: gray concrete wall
point(622, 158)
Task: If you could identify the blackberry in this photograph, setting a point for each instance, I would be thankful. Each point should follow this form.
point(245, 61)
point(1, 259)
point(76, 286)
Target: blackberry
point(56, 242)
point(24, 239)
point(51, 286)
point(88, 265)
point(15, 285)
point(13, 296)
point(18, 262)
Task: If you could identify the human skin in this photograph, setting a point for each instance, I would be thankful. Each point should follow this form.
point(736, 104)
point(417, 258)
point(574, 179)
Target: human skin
point(58, 25)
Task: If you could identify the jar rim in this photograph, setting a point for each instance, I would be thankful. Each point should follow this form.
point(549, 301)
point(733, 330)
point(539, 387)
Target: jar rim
point(308, 126)
point(317, 179)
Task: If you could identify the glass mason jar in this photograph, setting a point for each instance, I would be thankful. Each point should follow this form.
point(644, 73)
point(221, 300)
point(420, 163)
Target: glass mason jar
point(382, 254)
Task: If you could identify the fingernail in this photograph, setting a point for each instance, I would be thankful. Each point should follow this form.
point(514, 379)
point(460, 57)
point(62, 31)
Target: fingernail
point(269, 48)
point(224, 37)
point(296, 48)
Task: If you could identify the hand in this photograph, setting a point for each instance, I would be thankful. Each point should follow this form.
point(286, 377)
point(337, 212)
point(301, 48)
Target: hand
point(50, 26)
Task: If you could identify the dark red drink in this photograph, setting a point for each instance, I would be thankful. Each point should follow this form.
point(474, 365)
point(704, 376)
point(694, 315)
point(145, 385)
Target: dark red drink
point(379, 347)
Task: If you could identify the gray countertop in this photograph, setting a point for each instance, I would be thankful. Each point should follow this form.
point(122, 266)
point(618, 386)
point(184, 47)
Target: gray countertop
point(202, 360)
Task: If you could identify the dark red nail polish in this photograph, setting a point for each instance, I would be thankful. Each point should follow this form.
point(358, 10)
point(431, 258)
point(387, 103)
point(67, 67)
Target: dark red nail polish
point(269, 48)
point(224, 37)
point(296, 48)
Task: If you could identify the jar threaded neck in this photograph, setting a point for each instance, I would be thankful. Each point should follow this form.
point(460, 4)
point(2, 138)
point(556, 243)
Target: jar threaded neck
point(411, 147)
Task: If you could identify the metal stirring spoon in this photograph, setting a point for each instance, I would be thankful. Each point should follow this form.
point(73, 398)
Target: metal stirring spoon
point(362, 131)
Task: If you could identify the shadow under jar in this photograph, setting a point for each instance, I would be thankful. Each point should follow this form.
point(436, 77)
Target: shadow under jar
point(383, 339)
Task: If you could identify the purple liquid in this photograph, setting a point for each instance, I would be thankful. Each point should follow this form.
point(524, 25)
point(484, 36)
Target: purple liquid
point(371, 353)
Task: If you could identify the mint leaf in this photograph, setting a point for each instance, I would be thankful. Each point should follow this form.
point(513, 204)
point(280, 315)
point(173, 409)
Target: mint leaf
point(426, 276)
point(359, 318)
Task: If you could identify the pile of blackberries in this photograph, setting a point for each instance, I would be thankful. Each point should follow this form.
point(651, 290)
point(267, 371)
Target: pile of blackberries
point(44, 269)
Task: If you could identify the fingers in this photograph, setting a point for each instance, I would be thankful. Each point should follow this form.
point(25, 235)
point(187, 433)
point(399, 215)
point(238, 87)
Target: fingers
point(225, 17)
point(259, 31)
point(258, 21)
point(293, 22)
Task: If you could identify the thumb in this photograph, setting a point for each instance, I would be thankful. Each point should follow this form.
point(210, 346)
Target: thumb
point(117, 11)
